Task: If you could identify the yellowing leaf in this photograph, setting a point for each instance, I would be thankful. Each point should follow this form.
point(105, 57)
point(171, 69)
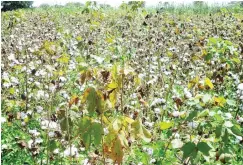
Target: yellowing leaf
point(129, 120)
point(169, 54)
point(193, 82)
point(166, 124)
point(112, 98)
point(64, 59)
point(73, 100)
point(78, 38)
point(117, 151)
point(109, 40)
point(11, 91)
point(112, 85)
point(139, 131)
point(219, 101)
point(236, 60)
point(208, 82)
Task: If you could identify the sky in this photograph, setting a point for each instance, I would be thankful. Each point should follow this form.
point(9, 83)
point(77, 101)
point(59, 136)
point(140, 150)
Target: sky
point(116, 3)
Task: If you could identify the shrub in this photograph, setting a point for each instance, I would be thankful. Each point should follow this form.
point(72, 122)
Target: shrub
point(13, 5)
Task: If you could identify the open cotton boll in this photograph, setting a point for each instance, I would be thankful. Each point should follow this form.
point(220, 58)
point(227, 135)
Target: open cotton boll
point(51, 134)
point(150, 151)
point(71, 152)
point(188, 94)
point(157, 101)
point(38, 140)
point(192, 124)
point(240, 87)
point(228, 115)
point(39, 109)
point(56, 151)
point(3, 119)
point(157, 111)
point(11, 57)
point(175, 113)
point(148, 124)
point(34, 132)
point(40, 94)
point(30, 143)
point(152, 161)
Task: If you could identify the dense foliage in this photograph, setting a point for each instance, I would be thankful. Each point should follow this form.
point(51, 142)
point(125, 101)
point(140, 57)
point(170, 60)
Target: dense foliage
point(13, 5)
point(92, 85)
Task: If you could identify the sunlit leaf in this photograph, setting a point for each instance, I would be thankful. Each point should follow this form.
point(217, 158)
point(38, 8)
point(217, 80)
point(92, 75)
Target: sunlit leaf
point(208, 82)
point(166, 124)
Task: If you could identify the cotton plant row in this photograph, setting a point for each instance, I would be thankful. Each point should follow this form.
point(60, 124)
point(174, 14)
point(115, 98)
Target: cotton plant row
point(162, 84)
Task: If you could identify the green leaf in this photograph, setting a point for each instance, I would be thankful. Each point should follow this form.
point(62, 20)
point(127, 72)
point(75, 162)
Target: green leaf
point(236, 130)
point(208, 57)
point(166, 124)
point(225, 138)
point(188, 149)
point(86, 137)
point(64, 123)
point(90, 132)
point(236, 60)
point(203, 113)
point(52, 145)
point(218, 131)
point(92, 101)
point(97, 132)
point(192, 115)
point(204, 148)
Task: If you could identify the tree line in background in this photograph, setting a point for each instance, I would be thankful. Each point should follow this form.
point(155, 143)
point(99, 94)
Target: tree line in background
point(13, 5)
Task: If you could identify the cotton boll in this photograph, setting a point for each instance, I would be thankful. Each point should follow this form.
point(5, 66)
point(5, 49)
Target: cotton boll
point(157, 101)
point(240, 120)
point(11, 57)
point(34, 132)
point(157, 111)
point(148, 124)
point(14, 80)
point(30, 143)
point(6, 84)
point(3, 120)
point(175, 113)
point(152, 161)
point(71, 152)
point(56, 151)
point(23, 115)
point(192, 125)
point(150, 151)
point(40, 94)
point(240, 87)
point(106, 131)
point(52, 87)
point(228, 116)
point(38, 140)
point(62, 79)
point(51, 134)
point(39, 109)
point(188, 94)
point(52, 125)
